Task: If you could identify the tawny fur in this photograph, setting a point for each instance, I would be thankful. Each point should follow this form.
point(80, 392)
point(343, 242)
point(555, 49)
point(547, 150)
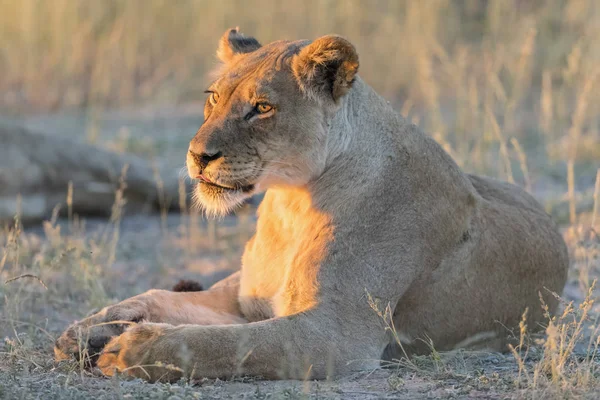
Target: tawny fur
point(360, 207)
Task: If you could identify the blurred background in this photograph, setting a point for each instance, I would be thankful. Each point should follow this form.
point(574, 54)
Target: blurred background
point(510, 88)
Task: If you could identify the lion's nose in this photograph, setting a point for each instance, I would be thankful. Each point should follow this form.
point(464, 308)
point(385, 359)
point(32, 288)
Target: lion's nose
point(203, 159)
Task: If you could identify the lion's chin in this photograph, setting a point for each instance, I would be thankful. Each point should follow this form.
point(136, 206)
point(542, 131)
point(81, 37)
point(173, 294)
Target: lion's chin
point(218, 201)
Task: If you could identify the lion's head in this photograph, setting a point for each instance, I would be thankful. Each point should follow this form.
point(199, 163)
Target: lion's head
point(267, 115)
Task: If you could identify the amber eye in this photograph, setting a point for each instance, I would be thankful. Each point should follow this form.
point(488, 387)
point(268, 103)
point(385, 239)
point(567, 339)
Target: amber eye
point(214, 98)
point(263, 108)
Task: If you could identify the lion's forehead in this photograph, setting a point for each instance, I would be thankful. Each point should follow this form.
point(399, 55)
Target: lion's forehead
point(241, 91)
point(261, 66)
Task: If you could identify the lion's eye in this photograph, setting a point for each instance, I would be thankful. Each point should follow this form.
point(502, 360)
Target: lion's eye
point(263, 108)
point(214, 98)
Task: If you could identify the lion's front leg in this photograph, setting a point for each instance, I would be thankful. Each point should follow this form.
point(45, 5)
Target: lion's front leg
point(302, 346)
point(86, 338)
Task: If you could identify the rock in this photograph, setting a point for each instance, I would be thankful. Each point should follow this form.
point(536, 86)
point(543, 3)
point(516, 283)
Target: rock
point(35, 171)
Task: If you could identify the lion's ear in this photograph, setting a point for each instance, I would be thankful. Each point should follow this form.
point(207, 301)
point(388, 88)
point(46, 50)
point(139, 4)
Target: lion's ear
point(326, 67)
point(233, 42)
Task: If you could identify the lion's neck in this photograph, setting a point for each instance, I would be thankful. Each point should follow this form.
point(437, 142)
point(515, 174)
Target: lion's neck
point(363, 133)
point(362, 126)
point(362, 136)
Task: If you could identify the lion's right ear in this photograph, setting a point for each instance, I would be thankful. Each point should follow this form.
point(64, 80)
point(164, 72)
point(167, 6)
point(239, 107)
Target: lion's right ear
point(233, 42)
point(326, 68)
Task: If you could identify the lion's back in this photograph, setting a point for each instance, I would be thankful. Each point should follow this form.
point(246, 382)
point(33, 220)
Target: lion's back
point(495, 190)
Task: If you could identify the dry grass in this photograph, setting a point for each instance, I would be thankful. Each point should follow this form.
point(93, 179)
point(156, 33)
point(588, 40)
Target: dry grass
point(510, 88)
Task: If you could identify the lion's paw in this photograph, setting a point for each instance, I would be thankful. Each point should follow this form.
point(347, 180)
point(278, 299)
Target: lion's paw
point(133, 352)
point(85, 339)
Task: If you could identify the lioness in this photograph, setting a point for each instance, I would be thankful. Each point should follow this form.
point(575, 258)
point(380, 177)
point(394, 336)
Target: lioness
point(361, 210)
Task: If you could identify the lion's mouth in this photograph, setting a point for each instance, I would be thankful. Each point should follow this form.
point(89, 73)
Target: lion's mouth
point(203, 180)
point(220, 198)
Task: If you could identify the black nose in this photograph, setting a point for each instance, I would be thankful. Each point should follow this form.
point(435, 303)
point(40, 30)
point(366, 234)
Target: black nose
point(203, 159)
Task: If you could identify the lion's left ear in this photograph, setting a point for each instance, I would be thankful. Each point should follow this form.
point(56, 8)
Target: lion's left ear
point(233, 42)
point(326, 67)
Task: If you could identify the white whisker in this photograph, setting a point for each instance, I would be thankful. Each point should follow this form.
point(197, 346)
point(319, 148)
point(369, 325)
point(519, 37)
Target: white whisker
point(183, 174)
